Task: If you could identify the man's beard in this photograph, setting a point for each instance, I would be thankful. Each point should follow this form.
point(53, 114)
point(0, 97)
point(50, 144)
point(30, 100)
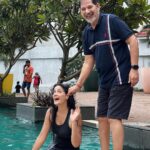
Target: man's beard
point(92, 20)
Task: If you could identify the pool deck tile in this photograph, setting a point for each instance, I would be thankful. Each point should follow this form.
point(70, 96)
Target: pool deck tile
point(139, 109)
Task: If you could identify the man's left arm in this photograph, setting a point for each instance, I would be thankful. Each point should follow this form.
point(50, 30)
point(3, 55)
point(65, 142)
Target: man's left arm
point(134, 54)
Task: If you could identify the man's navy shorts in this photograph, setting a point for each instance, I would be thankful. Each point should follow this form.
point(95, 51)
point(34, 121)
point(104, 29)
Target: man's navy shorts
point(115, 103)
point(26, 84)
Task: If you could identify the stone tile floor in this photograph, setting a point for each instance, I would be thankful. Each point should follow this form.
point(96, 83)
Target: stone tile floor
point(140, 109)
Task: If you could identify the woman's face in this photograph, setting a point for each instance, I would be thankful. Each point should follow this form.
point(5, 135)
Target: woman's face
point(59, 96)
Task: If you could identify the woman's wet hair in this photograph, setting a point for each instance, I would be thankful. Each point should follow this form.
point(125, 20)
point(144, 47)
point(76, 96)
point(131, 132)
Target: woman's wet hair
point(71, 100)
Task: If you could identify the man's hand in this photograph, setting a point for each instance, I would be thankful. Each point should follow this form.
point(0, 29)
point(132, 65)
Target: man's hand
point(72, 90)
point(133, 77)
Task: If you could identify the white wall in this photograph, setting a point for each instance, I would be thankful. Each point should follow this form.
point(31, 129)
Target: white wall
point(46, 60)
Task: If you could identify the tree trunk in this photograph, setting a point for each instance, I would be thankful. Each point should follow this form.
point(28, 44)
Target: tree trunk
point(62, 72)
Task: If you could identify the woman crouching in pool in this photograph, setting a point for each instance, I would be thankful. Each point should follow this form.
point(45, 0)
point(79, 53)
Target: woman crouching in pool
point(64, 120)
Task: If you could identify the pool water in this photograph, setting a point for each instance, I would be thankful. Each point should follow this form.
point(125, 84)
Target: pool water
point(21, 134)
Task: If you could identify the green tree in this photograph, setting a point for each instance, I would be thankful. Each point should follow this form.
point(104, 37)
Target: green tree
point(19, 31)
point(66, 25)
point(133, 12)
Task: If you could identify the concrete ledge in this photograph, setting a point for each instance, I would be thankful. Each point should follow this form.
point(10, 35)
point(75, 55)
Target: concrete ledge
point(12, 101)
point(37, 113)
point(29, 112)
point(137, 136)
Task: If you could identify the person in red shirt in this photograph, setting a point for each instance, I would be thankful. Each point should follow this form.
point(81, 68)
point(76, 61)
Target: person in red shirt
point(28, 72)
point(37, 81)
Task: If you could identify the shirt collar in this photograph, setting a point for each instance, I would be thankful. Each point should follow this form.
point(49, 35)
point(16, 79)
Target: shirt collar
point(99, 20)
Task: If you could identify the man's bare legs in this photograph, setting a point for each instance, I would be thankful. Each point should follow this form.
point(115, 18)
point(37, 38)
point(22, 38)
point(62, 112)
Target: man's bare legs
point(117, 130)
point(104, 133)
point(24, 91)
point(28, 92)
point(36, 88)
point(115, 126)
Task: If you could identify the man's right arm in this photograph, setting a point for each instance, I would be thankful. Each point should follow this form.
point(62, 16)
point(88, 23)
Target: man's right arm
point(85, 71)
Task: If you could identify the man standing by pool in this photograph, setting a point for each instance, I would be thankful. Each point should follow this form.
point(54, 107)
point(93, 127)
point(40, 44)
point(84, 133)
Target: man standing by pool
point(28, 72)
point(105, 43)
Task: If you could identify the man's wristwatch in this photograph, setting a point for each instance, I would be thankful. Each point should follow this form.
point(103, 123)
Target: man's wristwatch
point(135, 67)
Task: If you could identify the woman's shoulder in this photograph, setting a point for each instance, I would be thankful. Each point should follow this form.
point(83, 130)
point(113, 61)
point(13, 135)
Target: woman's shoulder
point(49, 110)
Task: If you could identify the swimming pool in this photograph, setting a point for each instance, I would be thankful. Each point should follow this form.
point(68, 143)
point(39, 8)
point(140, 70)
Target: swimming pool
point(21, 134)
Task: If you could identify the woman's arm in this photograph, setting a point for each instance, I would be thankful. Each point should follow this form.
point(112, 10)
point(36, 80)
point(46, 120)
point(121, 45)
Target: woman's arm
point(76, 127)
point(44, 132)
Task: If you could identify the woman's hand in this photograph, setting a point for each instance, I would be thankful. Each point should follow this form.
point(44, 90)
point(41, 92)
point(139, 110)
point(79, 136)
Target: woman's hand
point(75, 114)
point(76, 125)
